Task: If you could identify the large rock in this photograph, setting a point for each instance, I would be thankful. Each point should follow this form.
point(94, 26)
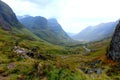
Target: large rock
point(114, 50)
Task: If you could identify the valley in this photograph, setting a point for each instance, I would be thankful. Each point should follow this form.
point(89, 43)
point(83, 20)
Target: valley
point(55, 62)
point(36, 48)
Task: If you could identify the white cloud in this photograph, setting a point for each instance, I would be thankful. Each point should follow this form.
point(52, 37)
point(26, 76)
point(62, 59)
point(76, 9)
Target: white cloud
point(73, 15)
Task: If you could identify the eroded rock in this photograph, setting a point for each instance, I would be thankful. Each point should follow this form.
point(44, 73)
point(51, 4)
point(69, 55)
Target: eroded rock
point(114, 50)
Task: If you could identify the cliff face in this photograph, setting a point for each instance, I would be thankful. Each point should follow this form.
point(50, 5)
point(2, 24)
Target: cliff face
point(7, 17)
point(114, 50)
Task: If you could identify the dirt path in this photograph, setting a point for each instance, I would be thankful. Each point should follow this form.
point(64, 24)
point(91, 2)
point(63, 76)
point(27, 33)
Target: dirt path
point(86, 49)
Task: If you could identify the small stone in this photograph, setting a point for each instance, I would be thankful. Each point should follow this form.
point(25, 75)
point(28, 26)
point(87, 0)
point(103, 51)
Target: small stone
point(99, 71)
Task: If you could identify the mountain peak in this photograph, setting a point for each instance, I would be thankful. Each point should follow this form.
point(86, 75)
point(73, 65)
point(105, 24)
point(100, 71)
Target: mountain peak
point(49, 30)
point(54, 20)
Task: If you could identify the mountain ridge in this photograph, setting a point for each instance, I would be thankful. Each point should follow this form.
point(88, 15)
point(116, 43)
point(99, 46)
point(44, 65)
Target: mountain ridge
point(98, 32)
point(47, 29)
point(9, 22)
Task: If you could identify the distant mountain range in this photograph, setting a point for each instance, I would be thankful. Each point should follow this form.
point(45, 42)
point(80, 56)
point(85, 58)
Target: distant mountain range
point(49, 30)
point(98, 32)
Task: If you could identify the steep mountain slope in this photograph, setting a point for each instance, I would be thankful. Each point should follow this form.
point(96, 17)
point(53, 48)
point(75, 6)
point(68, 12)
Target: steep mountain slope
point(114, 51)
point(57, 29)
point(48, 30)
point(9, 22)
point(98, 32)
point(7, 17)
point(13, 33)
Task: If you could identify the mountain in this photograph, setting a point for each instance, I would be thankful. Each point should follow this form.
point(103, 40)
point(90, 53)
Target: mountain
point(13, 33)
point(114, 50)
point(98, 32)
point(57, 29)
point(21, 17)
point(49, 30)
point(9, 22)
point(39, 60)
point(7, 17)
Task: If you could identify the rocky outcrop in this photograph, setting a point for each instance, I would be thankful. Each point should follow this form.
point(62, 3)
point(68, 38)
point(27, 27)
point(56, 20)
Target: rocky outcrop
point(22, 52)
point(114, 50)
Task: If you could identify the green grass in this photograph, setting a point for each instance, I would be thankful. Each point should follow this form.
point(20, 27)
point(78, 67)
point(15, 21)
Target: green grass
point(62, 63)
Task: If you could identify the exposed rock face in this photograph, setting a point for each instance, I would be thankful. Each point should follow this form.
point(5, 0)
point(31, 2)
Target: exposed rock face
point(7, 17)
point(114, 51)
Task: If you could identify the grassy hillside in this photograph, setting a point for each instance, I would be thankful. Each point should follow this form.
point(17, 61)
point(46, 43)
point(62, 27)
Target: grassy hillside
point(56, 63)
point(24, 56)
point(27, 41)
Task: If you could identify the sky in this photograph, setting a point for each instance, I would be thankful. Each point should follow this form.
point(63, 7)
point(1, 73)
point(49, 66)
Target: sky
point(73, 15)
